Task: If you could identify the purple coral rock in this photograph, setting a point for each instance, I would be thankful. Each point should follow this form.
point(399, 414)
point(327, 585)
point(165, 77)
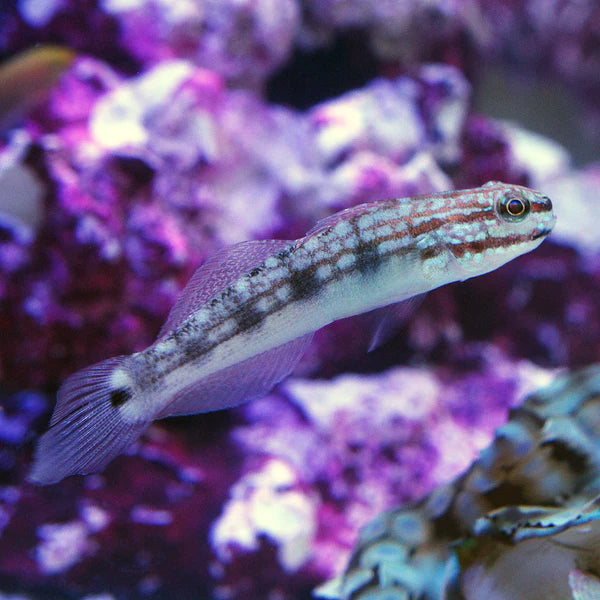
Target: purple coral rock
point(242, 41)
point(356, 121)
point(19, 411)
point(382, 438)
point(376, 142)
point(577, 195)
point(146, 159)
point(62, 546)
point(268, 502)
point(154, 238)
point(148, 117)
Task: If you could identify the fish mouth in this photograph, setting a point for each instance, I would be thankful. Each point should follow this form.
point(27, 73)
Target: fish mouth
point(536, 235)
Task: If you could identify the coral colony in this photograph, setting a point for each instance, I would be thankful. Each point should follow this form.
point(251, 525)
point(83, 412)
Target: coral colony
point(145, 137)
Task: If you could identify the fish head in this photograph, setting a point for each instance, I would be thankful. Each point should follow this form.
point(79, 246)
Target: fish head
point(501, 222)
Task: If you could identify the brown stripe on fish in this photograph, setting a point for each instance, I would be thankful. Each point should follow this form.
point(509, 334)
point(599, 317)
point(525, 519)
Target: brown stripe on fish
point(304, 283)
point(431, 252)
point(480, 246)
point(545, 206)
point(368, 257)
point(437, 222)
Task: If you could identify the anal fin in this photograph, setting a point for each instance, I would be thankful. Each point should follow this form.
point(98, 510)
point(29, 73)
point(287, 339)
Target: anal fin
point(386, 321)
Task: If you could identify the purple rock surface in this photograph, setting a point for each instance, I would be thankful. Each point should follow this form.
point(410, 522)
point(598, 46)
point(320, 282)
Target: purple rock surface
point(184, 127)
point(242, 41)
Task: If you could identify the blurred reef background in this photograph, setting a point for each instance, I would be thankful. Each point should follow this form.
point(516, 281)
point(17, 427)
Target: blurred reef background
point(140, 136)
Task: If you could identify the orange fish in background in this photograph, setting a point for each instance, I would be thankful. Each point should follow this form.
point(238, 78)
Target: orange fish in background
point(27, 79)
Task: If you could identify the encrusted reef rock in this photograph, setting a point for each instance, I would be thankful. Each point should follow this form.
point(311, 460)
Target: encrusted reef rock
point(522, 523)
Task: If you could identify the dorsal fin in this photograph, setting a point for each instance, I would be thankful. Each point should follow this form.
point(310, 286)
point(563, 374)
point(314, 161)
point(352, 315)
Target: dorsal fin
point(218, 272)
point(491, 184)
point(334, 219)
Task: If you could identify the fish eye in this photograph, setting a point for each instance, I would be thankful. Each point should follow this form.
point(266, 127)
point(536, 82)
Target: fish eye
point(514, 208)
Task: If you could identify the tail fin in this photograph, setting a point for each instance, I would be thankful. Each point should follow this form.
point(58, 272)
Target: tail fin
point(87, 429)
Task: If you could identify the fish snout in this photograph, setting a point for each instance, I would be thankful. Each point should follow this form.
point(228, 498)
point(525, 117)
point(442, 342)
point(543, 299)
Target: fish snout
point(540, 232)
point(541, 207)
point(541, 204)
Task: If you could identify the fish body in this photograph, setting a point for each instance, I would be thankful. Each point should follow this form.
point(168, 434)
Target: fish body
point(247, 315)
point(27, 79)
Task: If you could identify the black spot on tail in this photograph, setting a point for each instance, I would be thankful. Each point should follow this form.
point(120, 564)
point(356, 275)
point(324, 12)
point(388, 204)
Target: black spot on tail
point(119, 397)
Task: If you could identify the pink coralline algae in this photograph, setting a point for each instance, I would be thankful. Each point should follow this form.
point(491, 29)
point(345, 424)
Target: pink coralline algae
point(368, 442)
point(183, 127)
point(553, 36)
point(242, 41)
point(268, 502)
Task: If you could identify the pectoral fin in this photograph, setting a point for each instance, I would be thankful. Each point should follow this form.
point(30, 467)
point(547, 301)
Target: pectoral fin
point(386, 321)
